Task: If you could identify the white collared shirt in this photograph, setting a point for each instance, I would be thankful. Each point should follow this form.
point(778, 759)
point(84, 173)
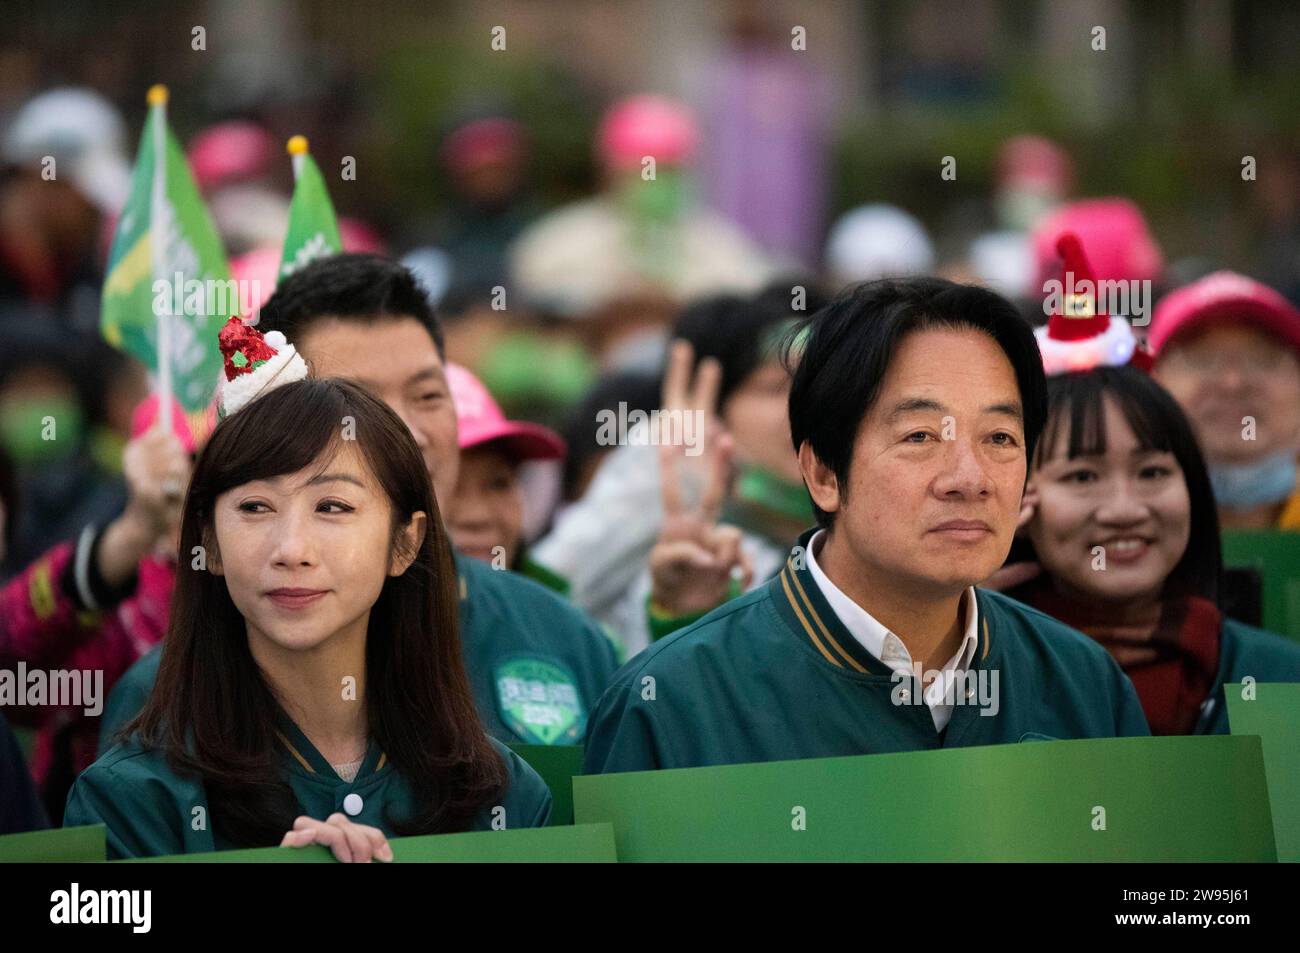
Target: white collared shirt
point(888, 648)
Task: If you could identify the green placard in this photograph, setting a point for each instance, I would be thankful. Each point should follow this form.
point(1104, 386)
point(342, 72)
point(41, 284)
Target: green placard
point(1274, 715)
point(557, 764)
point(585, 843)
point(61, 845)
point(1276, 555)
point(1164, 799)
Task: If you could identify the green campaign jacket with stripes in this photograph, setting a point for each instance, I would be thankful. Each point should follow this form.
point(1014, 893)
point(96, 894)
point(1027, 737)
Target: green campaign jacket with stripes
point(774, 676)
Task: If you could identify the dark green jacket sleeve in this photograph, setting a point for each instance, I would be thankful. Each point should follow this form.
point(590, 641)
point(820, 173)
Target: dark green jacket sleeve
point(527, 796)
point(622, 734)
point(137, 806)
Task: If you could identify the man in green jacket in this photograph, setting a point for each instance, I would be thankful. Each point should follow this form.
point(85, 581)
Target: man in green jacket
point(914, 408)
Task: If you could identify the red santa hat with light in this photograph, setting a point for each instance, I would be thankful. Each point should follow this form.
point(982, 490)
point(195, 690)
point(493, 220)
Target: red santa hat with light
point(1080, 335)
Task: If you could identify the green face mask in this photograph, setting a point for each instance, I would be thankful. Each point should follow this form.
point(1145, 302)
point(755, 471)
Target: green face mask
point(660, 200)
point(37, 431)
point(758, 486)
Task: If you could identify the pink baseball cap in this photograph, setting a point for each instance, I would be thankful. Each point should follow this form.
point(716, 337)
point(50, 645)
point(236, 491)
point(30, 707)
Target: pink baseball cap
point(361, 236)
point(258, 268)
point(646, 126)
point(1224, 297)
point(146, 412)
point(232, 151)
point(1114, 230)
point(481, 421)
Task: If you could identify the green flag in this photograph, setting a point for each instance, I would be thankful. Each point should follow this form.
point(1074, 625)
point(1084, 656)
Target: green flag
point(168, 288)
point(313, 229)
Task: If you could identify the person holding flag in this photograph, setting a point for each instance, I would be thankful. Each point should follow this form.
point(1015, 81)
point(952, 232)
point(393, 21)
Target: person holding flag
point(100, 601)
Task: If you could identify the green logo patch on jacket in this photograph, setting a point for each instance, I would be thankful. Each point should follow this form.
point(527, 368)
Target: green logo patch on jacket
point(539, 701)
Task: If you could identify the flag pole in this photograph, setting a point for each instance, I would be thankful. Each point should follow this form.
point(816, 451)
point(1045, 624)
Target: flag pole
point(157, 100)
point(297, 148)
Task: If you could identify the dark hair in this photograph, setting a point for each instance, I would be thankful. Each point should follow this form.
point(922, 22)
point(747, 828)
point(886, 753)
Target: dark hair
point(353, 286)
point(1076, 403)
point(839, 358)
point(735, 329)
point(212, 712)
point(639, 391)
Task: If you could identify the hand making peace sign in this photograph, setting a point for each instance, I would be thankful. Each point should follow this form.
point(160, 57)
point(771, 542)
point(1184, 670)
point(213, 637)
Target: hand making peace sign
point(694, 558)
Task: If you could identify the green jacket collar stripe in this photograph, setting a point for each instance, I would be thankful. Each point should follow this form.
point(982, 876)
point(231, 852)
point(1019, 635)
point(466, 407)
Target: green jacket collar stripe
point(809, 615)
point(799, 602)
point(304, 755)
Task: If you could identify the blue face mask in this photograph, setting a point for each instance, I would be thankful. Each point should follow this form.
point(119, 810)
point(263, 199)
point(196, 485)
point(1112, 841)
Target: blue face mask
point(1244, 486)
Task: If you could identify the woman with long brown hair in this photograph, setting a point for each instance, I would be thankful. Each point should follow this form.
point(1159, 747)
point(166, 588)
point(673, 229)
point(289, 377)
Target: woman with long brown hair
point(311, 688)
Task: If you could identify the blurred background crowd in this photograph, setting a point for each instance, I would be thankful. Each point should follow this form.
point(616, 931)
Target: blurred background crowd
point(797, 145)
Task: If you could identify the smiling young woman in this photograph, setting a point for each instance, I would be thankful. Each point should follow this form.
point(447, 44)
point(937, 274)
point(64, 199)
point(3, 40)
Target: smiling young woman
point(311, 688)
point(1121, 519)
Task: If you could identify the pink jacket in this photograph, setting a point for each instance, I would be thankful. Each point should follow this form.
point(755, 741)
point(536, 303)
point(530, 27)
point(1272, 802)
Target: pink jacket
point(43, 627)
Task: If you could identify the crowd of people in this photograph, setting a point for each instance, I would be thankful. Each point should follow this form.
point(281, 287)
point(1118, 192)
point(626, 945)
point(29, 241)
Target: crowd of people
point(882, 501)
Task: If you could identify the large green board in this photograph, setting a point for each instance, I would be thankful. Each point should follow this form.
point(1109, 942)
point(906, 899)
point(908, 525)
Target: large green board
point(1164, 799)
point(1274, 715)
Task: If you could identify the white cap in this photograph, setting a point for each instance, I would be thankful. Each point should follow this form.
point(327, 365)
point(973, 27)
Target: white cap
point(432, 268)
point(877, 241)
point(84, 132)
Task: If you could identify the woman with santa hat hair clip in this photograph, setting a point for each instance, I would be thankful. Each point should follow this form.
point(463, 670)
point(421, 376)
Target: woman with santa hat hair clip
point(300, 697)
point(1119, 537)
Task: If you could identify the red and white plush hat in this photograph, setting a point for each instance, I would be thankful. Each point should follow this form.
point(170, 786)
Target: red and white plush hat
point(1080, 335)
point(255, 364)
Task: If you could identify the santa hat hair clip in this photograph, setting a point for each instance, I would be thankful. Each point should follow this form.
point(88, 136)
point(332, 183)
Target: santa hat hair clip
point(255, 364)
point(1079, 334)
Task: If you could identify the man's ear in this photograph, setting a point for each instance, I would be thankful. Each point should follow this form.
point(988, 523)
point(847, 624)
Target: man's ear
point(823, 485)
point(1028, 508)
point(409, 539)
